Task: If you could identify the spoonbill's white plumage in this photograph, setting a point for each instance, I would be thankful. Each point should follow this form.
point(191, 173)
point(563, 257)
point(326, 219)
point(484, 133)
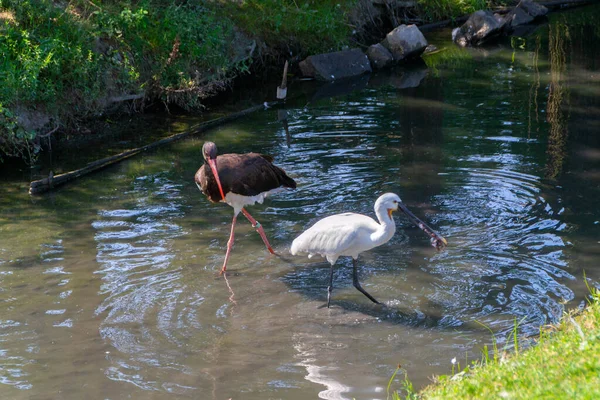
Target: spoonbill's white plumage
point(240, 180)
point(350, 234)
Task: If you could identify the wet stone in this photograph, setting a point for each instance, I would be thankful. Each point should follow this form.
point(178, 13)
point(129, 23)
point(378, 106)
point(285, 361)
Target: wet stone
point(379, 56)
point(337, 65)
point(405, 41)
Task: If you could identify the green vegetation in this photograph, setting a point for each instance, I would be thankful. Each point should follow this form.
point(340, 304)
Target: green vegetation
point(63, 62)
point(68, 61)
point(565, 364)
point(433, 10)
point(305, 27)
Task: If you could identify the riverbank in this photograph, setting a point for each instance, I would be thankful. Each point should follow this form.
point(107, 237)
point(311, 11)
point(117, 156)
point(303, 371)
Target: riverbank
point(112, 278)
point(565, 363)
point(66, 64)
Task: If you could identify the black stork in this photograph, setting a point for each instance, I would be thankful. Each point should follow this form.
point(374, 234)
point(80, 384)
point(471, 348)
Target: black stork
point(240, 180)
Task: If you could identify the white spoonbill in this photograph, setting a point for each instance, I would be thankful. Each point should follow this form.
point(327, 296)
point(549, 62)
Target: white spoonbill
point(350, 234)
point(240, 180)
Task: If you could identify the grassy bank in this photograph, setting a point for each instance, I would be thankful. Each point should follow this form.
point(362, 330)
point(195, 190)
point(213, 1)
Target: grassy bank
point(65, 62)
point(565, 364)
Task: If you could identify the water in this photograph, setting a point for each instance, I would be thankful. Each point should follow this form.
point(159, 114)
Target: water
point(110, 289)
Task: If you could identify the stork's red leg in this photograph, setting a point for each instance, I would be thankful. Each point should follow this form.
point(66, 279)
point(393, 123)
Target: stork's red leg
point(229, 244)
point(256, 225)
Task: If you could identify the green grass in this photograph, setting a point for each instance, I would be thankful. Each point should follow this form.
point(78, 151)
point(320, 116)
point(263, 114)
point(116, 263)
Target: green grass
point(306, 26)
point(435, 10)
point(67, 61)
point(565, 364)
point(78, 51)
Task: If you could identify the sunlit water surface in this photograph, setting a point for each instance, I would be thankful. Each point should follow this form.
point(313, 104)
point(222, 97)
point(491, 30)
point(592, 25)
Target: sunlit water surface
point(110, 289)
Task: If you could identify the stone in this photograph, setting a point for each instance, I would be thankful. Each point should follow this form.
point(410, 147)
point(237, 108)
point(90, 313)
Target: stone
point(524, 13)
point(432, 48)
point(379, 56)
point(479, 28)
point(405, 41)
point(337, 65)
point(517, 16)
point(534, 9)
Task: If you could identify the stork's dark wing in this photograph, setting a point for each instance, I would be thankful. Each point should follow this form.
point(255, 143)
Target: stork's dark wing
point(256, 174)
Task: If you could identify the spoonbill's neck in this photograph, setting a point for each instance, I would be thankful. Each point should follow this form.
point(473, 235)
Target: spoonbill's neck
point(387, 226)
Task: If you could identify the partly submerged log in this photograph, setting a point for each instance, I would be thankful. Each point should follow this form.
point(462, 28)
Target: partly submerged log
point(52, 181)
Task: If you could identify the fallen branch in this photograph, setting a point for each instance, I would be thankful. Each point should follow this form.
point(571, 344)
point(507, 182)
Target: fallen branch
point(51, 182)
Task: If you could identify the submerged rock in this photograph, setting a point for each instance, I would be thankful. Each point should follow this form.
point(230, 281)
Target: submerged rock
point(337, 65)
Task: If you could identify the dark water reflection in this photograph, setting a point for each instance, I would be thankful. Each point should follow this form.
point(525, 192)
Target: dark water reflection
point(110, 286)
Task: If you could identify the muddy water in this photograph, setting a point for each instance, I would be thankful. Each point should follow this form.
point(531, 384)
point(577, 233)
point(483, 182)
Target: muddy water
point(110, 289)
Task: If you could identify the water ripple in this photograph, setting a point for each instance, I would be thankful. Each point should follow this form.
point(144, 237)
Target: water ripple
point(506, 234)
point(141, 284)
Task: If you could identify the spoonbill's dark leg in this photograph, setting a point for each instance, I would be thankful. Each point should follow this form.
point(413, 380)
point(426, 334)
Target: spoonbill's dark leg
point(229, 244)
point(330, 287)
point(357, 285)
point(256, 225)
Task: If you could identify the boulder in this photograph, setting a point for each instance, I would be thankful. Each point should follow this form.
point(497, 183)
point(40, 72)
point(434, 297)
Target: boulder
point(405, 41)
point(534, 9)
point(479, 28)
point(517, 16)
point(524, 13)
point(337, 65)
point(379, 56)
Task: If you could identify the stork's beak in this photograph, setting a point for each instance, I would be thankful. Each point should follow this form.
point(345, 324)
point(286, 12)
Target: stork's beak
point(213, 166)
point(436, 240)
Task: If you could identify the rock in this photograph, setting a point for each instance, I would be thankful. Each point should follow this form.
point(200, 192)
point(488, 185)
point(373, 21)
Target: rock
point(534, 9)
point(525, 12)
point(379, 56)
point(337, 65)
point(479, 28)
point(432, 48)
point(517, 16)
point(405, 41)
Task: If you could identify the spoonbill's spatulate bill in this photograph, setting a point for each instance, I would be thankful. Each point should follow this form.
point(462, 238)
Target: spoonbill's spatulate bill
point(240, 180)
point(350, 234)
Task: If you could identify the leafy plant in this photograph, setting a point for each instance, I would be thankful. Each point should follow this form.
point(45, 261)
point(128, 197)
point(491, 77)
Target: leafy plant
point(14, 140)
